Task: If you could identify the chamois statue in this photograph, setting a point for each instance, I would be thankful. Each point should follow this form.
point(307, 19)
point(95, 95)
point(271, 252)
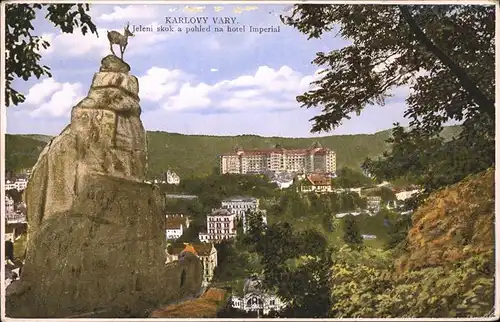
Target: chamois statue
point(116, 38)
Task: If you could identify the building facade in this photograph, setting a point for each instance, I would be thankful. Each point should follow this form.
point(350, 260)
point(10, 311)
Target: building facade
point(240, 205)
point(206, 252)
point(373, 203)
point(314, 159)
point(316, 183)
point(255, 299)
point(175, 224)
point(18, 184)
point(221, 225)
point(172, 178)
point(9, 204)
point(406, 194)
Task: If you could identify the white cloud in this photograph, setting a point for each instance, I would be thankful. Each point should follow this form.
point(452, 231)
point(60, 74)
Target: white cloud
point(159, 82)
point(78, 45)
point(266, 89)
point(57, 98)
point(190, 97)
point(131, 12)
point(213, 69)
point(39, 92)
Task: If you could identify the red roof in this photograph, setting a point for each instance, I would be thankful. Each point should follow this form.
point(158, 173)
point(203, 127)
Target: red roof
point(320, 151)
point(319, 180)
point(175, 222)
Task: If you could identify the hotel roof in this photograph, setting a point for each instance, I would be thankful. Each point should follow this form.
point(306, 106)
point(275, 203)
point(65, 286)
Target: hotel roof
point(320, 180)
point(203, 249)
point(240, 198)
point(319, 151)
point(175, 221)
point(221, 212)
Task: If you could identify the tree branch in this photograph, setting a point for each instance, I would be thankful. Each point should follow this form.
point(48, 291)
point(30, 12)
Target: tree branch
point(467, 83)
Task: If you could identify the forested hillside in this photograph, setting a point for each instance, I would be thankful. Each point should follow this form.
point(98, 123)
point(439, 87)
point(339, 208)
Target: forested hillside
point(196, 155)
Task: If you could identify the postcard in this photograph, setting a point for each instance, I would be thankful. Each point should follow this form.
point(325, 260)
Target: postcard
point(230, 160)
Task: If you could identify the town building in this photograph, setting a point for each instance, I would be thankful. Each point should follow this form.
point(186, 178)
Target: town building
point(373, 203)
point(347, 190)
point(15, 217)
point(406, 194)
point(206, 252)
point(20, 183)
point(314, 159)
point(240, 205)
point(256, 299)
point(221, 225)
point(316, 183)
point(9, 204)
point(175, 225)
point(282, 179)
point(172, 177)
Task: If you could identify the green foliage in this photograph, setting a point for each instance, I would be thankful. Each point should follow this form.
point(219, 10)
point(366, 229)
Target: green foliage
point(21, 152)
point(407, 40)
point(194, 156)
point(23, 48)
point(430, 161)
point(365, 287)
point(398, 230)
point(9, 250)
point(317, 212)
point(352, 236)
point(197, 155)
point(255, 227)
point(349, 178)
point(304, 285)
point(412, 46)
point(235, 263)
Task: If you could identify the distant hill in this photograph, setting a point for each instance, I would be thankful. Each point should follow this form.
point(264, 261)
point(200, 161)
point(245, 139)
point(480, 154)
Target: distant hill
point(197, 155)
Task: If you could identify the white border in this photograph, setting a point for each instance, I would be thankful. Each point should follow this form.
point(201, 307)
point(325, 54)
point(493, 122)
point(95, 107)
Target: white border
point(129, 2)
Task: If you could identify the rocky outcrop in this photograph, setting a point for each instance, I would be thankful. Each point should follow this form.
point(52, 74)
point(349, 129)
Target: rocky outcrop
point(106, 136)
point(453, 224)
point(96, 241)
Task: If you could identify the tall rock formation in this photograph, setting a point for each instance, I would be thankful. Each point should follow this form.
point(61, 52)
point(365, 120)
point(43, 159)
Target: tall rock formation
point(105, 136)
point(95, 238)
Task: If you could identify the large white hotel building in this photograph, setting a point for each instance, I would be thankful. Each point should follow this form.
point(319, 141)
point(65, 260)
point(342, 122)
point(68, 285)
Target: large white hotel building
point(314, 159)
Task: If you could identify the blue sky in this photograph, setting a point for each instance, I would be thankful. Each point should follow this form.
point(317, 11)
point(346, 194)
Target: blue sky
point(197, 83)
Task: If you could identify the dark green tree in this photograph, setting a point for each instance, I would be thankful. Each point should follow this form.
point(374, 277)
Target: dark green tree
point(352, 236)
point(16, 195)
point(414, 46)
point(349, 178)
point(23, 46)
point(304, 285)
point(9, 250)
point(398, 230)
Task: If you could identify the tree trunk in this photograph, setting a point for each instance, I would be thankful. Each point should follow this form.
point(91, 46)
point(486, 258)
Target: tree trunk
point(467, 83)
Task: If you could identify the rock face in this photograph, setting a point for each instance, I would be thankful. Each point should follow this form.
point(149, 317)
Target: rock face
point(105, 136)
point(96, 240)
point(453, 224)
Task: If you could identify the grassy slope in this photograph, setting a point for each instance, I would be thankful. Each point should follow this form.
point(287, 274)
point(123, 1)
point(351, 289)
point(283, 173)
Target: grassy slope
point(196, 155)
